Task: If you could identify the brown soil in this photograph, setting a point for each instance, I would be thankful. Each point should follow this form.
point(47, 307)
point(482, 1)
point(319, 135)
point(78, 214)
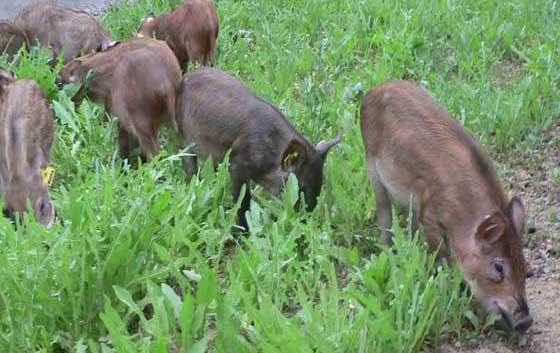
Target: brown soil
point(529, 175)
point(507, 72)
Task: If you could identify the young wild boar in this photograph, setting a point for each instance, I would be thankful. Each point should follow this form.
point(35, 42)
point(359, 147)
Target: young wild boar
point(137, 82)
point(26, 136)
point(62, 30)
point(12, 38)
point(418, 154)
point(217, 113)
point(191, 31)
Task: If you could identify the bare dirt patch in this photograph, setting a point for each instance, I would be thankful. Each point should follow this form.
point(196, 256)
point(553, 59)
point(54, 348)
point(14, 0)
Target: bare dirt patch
point(531, 175)
point(508, 71)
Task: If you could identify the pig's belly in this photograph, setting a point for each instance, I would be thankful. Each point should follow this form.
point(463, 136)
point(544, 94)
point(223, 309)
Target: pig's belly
point(400, 190)
point(211, 144)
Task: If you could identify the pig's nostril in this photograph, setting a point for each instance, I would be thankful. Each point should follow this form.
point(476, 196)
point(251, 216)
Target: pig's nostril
point(522, 308)
point(524, 324)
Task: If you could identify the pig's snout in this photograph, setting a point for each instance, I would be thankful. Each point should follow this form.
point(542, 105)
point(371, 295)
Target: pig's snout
point(522, 318)
point(519, 321)
point(524, 324)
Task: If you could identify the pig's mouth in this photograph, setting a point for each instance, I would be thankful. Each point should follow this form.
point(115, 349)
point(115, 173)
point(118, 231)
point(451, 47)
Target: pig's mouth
point(50, 221)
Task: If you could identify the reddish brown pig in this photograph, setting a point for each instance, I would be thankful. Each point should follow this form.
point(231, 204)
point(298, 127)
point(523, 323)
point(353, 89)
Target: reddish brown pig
point(26, 135)
point(216, 113)
point(191, 31)
point(137, 82)
point(12, 38)
point(62, 30)
point(418, 154)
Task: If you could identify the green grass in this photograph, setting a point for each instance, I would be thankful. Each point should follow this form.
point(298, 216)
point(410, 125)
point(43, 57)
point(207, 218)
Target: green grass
point(147, 263)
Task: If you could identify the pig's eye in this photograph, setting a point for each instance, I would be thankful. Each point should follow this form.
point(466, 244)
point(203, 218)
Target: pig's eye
point(499, 268)
point(497, 273)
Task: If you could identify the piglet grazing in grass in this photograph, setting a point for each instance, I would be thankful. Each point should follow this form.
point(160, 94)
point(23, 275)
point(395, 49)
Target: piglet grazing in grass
point(191, 31)
point(26, 136)
point(62, 30)
point(216, 113)
point(418, 154)
point(137, 82)
point(12, 38)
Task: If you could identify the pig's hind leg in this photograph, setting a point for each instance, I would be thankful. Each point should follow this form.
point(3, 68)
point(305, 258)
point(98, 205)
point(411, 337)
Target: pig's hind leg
point(147, 137)
point(136, 128)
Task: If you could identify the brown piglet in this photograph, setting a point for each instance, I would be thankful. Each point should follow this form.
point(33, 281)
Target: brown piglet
point(12, 38)
point(217, 113)
point(26, 136)
point(418, 155)
point(191, 31)
point(137, 82)
point(62, 30)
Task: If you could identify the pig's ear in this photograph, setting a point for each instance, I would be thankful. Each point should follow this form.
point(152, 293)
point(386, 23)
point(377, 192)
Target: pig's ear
point(145, 28)
point(108, 44)
point(78, 66)
point(516, 214)
point(5, 78)
point(72, 65)
point(324, 147)
point(150, 18)
point(492, 228)
point(294, 156)
point(75, 69)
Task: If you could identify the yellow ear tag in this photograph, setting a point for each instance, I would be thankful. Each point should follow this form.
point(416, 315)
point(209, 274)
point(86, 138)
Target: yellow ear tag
point(48, 175)
point(290, 158)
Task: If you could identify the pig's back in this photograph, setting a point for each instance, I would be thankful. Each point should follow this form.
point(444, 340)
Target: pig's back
point(41, 21)
point(26, 123)
point(415, 142)
point(75, 31)
point(215, 105)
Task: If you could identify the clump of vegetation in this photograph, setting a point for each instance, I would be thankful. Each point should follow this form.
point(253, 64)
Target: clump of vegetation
point(144, 262)
point(37, 65)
